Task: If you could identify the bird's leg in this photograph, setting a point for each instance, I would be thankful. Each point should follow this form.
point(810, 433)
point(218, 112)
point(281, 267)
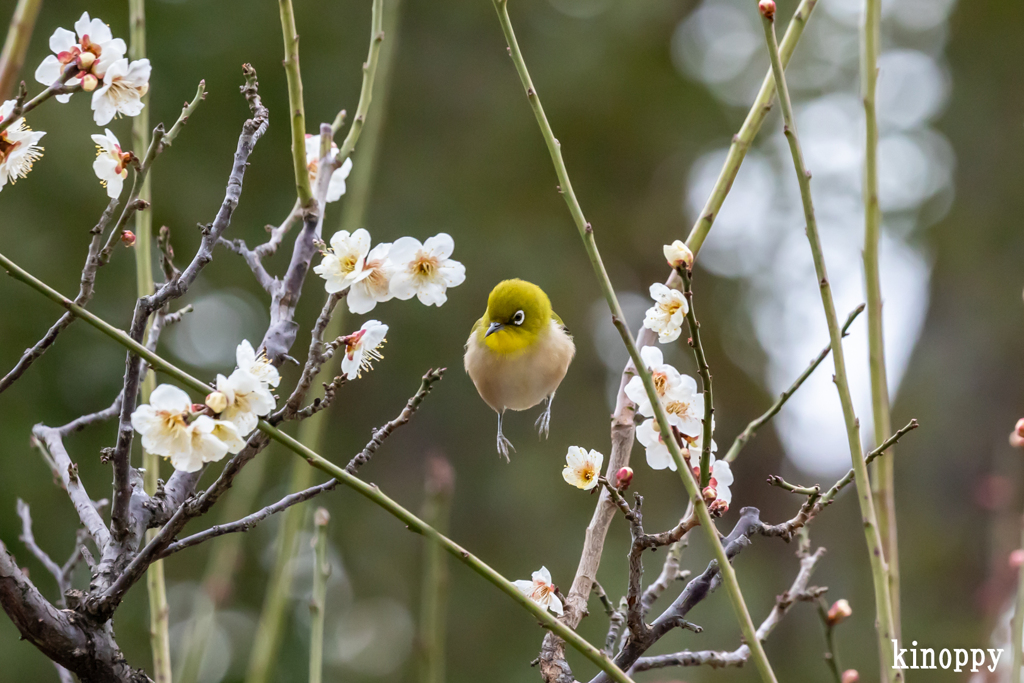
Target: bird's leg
point(503, 443)
point(544, 421)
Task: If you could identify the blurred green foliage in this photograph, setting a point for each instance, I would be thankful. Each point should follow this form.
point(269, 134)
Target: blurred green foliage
point(461, 154)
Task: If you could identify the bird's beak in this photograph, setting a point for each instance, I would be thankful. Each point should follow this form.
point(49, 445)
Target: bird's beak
point(494, 327)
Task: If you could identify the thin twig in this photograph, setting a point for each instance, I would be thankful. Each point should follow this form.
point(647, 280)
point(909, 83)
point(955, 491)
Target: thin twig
point(29, 540)
point(705, 377)
point(317, 605)
point(618, 319)
point(879, 570)
point(296, 109)
point(369, 491)
point(382, 433)
point(751, 429)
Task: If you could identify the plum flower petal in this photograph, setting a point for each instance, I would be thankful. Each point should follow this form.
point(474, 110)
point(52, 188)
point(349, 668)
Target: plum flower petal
point(124, 85)
point(247, 398)
point(541, 590)
point(375, 284)
point(111, 163)
point(203, 446)
point(425, 270)
point(258, 366)
point(227, 432)
point(582, 468)
point(343, 264)
point(361, 348)
point(666, 316)
point(678, 254)
point(163, 422)
point(658, 456)
point(669, 384)
point(92, 48)
point(19, 147)
point(722, 474)
point(336, 186)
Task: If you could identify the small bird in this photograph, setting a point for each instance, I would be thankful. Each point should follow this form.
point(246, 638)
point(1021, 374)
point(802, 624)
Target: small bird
point(518, 353)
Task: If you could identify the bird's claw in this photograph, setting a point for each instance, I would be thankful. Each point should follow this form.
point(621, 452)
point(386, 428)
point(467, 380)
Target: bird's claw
point(504, 445)
point(543, 423)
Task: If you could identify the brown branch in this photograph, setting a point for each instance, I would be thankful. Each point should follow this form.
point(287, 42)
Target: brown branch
point(318, 354)
point(739, 656)
point(382, 433)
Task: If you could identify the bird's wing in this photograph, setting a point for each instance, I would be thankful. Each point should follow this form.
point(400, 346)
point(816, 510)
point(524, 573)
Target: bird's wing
point(558, 319)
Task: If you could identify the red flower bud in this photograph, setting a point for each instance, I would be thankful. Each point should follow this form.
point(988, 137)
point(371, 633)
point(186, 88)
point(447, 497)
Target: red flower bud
point(850, 676)
point(623, 478)
point(710, 493)
point(1016, 558)
point(767, 8)
point(128, 238)
point(718, 507)
point(839, 611)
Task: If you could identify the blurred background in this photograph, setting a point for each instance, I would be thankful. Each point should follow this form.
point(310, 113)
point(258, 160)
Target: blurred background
point(644, 97)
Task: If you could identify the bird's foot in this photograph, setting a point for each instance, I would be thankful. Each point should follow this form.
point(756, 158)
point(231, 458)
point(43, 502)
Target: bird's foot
point(504, 445)
point(543, 422)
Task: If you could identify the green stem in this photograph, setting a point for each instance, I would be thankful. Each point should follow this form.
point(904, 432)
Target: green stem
point(313, 429)
point(832, 653)
point(436, 512)
point(369, 491)
point(882, 475)
point(618, 319)
point(296, 107)
point(879, 571)
point(159, 627)
point(321, 572)
point(745, 137)
point(1017, 625)
point(19, 35)
point(754, 425)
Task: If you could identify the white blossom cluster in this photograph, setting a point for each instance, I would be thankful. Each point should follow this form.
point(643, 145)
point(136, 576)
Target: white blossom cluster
point(191, 435)
point(401, 270)
point(96, 63)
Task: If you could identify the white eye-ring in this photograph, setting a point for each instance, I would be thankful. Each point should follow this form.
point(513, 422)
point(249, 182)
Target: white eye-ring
point(518, 318)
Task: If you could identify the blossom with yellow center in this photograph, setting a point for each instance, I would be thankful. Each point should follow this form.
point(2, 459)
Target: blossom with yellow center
point(361, 348)
point(163, 423)
point(91, 47)
point(342, 264)
point(425, 270)
point(582, 468)
point(124, 85)
point(375, 285)
point(336, 187)
point(111, 163)
point(666, 316)
point(19, 147)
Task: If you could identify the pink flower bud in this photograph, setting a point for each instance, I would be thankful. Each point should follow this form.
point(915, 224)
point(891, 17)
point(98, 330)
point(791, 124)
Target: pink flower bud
point(128, 238)
point(839, 611)
point(767, 8)
point(718, 507)
point(89, 81)
point(1016, 558)
point(623, 478)
point(198, 408)
point(1020, 427)
point(710, 494)
point(850, 676)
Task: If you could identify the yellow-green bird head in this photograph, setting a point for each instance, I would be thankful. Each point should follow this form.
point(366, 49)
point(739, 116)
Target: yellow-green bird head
point(517, 313)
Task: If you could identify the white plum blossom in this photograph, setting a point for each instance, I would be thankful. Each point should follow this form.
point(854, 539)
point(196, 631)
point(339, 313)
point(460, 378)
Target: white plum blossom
point(425, 270)
point(228, 433)
point(247, 399)
point(258, 366)
point(677, 392)
point(93, 50)
point(541, 590)
point(721, 480)
point(111, 163)
point(123, 87)
point(666, 316)
point(336, 187)
point(361, 348)
point(163, 423)
point(343, 264)
point(658, 456)
point(678, 254)
point(203, 446)
point(374, 284)
point(19, 147)
point(582, 468)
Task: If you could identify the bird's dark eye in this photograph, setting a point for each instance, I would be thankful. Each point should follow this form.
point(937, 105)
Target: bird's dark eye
point(518, 318)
